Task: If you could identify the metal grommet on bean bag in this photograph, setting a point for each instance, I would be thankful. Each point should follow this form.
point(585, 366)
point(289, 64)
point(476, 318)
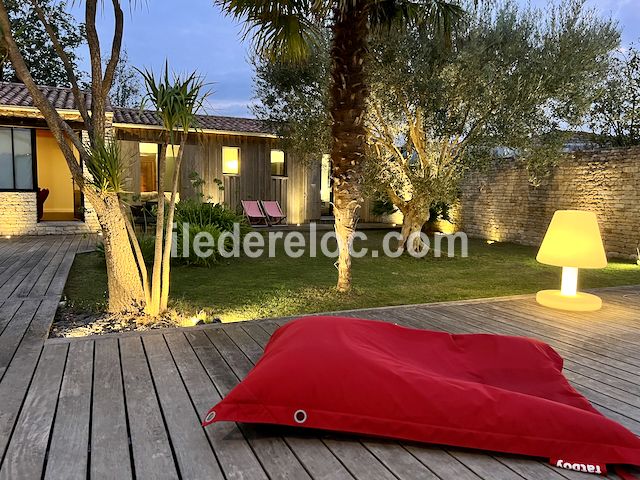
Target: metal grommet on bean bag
point(300, 416)
point(209, 418)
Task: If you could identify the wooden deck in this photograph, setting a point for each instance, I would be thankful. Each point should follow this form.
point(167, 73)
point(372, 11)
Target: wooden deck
point(130, 405)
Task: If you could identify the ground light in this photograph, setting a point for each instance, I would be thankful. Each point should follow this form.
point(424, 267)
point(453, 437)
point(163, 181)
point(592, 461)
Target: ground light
point(572, 241)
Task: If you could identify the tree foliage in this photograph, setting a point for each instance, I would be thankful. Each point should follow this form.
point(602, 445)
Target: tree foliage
point(295, 98)
point(615, 115)
point(511, 78)
point(38, 51)
point(127, 89)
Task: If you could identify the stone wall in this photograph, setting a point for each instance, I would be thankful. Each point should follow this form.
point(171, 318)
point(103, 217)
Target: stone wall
point(501, 204)
point(18, 216)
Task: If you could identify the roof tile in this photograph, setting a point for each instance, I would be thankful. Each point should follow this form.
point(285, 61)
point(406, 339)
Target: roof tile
point(135, 116)
point(17, 95)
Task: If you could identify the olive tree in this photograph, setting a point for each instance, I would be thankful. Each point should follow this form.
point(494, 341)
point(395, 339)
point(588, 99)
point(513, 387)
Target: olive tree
point(615, 114)
point(510, 78)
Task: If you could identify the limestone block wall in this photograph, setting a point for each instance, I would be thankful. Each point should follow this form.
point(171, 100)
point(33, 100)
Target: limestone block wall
point(18, 216)
point(501, 204)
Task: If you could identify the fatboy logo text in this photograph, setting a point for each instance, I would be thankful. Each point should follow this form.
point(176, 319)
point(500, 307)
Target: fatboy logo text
point(580, 467)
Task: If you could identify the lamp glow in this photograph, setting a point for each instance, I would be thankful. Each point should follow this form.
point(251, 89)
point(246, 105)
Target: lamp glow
point(572, 241)
point(569, 285)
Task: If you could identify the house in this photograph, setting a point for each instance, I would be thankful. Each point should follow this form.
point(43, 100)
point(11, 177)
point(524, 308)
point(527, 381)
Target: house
point(233, 159)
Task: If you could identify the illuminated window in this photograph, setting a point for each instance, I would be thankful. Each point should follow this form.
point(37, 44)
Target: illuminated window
point(149, 167)
point(230, 160)
point(325, 179)
point(278, 163)
point(170, 168)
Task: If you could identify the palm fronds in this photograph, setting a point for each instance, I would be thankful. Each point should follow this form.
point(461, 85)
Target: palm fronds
point(107, 167)
point(283, 29)
point(177, 100)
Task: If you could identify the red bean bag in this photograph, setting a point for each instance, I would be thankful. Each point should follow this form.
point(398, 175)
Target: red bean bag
point(491, 392)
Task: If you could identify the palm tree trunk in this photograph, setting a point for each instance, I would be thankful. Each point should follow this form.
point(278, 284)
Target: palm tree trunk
point(349, 92)
point(168, 237)
point(156, 275)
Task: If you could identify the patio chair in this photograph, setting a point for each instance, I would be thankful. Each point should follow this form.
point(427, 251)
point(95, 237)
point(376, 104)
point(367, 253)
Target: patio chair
point(273, 211)
point(42, 195)
point(253, 212)
point(143, 216)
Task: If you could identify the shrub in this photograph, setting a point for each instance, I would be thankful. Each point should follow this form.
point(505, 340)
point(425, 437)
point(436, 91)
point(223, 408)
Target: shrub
point(205, 217)
point(201, 217)
point(147, 244)
point(197, 213)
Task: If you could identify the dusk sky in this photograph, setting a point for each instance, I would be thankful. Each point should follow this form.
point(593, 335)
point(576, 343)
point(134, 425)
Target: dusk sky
point(195, 35)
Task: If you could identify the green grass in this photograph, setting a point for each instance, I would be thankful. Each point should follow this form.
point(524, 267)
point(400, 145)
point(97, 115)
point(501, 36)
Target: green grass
point(244, 288)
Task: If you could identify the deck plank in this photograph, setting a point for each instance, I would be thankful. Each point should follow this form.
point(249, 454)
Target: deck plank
point(19, 255)
point(59, 279)
point(15, 330)
point(192, 449)
point(7, 310)
point(69, 448)
point(11, 249)
point(152, 454)
point(110, 453)
point(44, 280)
point(273, 453)
point(13, 275)
point(231, 448)
point(25, 455)
point(129, 406)
point(25, 284)
point(18, 375)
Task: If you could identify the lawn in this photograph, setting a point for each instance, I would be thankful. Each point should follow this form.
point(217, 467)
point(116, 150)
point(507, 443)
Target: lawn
point(245, 288)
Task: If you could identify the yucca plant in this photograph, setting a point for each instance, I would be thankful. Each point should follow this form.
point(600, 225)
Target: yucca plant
point(177, 100)
point(106, 166)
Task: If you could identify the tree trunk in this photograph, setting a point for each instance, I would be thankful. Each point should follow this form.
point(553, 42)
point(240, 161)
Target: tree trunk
point(125, 288)
point(156, 276)
point(414, 220)
point(349, 92)
point(125, 284)
point(168, 237)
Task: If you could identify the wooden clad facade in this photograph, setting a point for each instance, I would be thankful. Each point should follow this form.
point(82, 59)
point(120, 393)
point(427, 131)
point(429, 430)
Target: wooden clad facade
point(298, 191)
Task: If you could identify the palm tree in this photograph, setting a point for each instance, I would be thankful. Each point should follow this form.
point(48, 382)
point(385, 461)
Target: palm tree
point(177, 101)
point(289, 30)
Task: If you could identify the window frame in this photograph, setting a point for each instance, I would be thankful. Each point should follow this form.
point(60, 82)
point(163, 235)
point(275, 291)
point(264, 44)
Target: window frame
point(239, 149)
point(168, 180)
point(34, 169)
point(286, 162)
point(156, 180)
